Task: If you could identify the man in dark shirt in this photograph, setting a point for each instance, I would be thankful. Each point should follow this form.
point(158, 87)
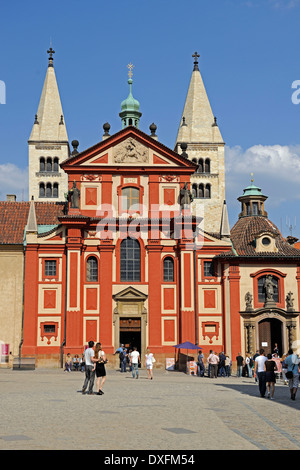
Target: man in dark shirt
point(239, 365)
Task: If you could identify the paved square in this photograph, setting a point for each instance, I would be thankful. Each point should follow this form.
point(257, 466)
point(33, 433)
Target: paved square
point(45, 410)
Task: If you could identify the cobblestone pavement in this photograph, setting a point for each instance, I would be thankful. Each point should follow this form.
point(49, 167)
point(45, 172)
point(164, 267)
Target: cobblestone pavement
point(45, 410)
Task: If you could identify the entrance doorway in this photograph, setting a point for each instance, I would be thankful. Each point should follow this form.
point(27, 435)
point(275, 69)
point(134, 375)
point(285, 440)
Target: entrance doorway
point(130, 333)
point(270, 333)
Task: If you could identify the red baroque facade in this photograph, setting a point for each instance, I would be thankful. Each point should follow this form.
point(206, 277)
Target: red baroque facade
point(120, 266)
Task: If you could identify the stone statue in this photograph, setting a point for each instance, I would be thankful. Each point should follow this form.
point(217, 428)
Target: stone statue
point(248, 300)
point(186, 197)
point(269, 286)
point(289, 301)
point(74, 195)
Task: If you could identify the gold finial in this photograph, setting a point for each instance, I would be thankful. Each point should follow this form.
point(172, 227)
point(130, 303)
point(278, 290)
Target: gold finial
point(130, 67)
point(251, 177)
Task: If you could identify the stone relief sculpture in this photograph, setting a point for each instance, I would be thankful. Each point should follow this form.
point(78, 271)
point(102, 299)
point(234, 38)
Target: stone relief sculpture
point(130, 151)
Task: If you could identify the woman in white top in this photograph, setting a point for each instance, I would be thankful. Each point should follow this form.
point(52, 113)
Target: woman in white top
point(100, 360)
point(149, 359)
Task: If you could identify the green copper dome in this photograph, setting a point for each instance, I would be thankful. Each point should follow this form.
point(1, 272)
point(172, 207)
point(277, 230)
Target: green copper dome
point(130, 104)
point(130, 109)
point(252, 190)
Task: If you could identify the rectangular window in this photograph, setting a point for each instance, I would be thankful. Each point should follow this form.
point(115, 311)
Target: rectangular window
point(50, 268)
point(209, 269)
point(49, 329)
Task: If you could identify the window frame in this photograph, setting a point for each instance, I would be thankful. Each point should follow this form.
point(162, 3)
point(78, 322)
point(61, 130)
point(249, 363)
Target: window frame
point(123, 272)
point(88, 260)
point(168, 258)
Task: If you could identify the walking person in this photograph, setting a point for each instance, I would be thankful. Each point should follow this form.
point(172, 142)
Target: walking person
point(100, 358)
point(270, 368)
point(249, 364)
point(222, 359)
point(284, 369)
point(134, 362)
point(292, 374)
point(213, 360)
point(89, 354)
point(200, 364)
point(260, 372)
point(228, 366)
point(254, 357)
point(239, 365)
point(123, 359)
point(149, 360)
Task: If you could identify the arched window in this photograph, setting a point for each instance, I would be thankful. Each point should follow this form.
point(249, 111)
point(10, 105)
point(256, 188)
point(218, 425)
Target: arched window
point(49, 190)
point(201, 190)
point(200, 166)
point(130, 197)
point(207, 165)
point(42, 164)
point(92, 269)
point(55, 164)
point(262, 291)
point(207, 193)
point(49, 164)
point(195, 190)
point(55, 190)
point(168, 267)
point(130, 265)
point(42, 190)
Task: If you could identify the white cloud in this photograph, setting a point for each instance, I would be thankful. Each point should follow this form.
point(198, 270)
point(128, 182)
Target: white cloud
point(275, 168)
point(13, 180)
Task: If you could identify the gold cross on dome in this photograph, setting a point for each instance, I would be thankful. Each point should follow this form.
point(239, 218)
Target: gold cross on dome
point(130, 67)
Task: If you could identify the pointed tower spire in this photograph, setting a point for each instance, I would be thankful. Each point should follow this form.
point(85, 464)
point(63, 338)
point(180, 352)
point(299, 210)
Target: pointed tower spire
point(198, 129)
point(225, 227)
point(48, 143)
point(31, 220)
point(197, 113)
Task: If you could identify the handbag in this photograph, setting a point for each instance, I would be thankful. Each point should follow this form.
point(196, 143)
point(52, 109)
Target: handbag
point(289, 374)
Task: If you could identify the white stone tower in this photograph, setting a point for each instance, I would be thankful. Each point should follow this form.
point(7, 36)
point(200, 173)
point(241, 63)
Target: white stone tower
point(48, 144)
point(203, 143)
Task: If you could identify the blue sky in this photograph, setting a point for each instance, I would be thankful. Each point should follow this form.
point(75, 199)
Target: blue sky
point(249, 59)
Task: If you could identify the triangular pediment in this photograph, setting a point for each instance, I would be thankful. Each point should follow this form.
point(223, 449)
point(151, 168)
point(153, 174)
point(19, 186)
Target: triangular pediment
point(130, 294)
point(129, 148)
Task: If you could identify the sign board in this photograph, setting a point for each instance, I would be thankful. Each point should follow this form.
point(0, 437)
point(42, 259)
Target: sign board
point(170, 363)
point(4, 353)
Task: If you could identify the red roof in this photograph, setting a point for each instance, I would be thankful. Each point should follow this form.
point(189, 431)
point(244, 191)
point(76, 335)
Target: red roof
point(13, 219)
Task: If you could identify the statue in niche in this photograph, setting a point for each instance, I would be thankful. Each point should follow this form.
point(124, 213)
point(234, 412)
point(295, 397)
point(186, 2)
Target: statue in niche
point(248, 300)
point(186, 197)
point(269, 287)
point(74, 195)
point(289, 301)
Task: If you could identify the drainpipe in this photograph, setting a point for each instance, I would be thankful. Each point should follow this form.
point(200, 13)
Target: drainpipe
point(23, 293)
point(195, 292)
point(66, 303)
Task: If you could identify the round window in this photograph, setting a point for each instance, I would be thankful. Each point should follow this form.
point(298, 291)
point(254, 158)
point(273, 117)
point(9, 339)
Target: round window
point(266, 241)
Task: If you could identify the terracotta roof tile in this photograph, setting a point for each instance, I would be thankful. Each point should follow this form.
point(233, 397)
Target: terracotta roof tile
point(244, 233)
point(13, 218)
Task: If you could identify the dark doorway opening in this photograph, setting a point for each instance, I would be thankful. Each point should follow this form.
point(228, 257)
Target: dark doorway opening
point(130, 333)
point(270, 333)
